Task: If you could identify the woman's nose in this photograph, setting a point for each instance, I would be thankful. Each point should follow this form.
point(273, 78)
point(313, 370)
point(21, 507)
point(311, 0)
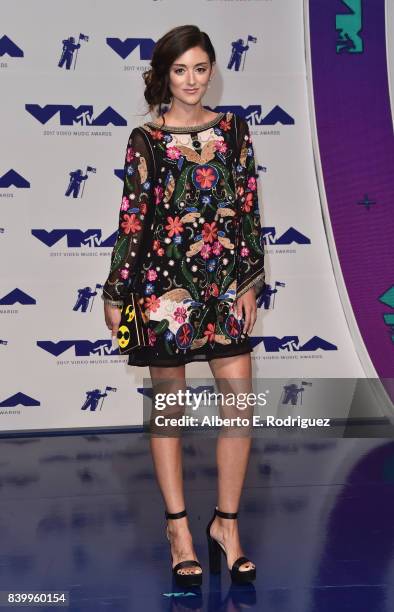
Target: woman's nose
point(191, 78)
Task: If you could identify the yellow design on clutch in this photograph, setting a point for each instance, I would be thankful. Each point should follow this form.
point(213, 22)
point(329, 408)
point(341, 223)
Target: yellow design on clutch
point(130, 312)
point(123, 336)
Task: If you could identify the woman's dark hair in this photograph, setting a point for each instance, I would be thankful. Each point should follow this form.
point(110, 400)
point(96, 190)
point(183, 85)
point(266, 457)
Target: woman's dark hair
point(167, 49)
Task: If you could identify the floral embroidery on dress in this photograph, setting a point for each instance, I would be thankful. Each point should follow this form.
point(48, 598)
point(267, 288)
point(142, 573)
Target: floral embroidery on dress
point(189, 238)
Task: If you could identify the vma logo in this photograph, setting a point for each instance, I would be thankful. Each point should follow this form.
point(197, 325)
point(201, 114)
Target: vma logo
point(124, 48)
point(75, 237)
point(287, 344)
point(82, 348)
point(255, 116)
point(75, 115)
point(348, 26)
point(13, 179)
point(8, 47)
point(290, 236)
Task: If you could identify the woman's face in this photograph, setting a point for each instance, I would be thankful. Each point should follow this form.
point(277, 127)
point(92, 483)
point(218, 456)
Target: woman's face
point(189, 75)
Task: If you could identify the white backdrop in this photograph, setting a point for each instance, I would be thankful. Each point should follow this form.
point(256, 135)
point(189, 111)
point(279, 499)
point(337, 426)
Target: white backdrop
point(52, 356)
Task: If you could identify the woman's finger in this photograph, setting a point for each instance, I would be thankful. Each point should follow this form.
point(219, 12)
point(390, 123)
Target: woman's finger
point(247, 320)
point(239, 309)
point(253, 320)
point(115, 329)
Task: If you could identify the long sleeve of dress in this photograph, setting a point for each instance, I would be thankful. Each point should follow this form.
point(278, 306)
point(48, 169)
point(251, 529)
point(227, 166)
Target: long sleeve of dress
point(134, 215)
point(250, 247)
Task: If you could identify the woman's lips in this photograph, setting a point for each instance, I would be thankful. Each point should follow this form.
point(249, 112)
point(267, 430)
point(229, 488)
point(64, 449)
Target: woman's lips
point(190, 90)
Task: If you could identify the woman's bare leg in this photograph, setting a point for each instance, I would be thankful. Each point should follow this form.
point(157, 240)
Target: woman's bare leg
point(167, 460)
point(232, 454)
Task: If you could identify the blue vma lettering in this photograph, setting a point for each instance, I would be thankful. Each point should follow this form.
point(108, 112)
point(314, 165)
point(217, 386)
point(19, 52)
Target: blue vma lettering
point(75, 237)
point(290, 236)
point(272, 344)
point(83, 348)
point(125, 47)
point(254, 114)
point(17, 297)
point(13, 179)
point(8, 47)
point(73, 115)
point(19, 399)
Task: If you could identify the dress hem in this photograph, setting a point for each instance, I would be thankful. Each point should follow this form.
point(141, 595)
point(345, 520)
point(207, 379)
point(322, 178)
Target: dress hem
point(189, 359)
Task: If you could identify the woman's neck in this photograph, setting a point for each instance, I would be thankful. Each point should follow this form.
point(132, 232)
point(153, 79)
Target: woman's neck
point(182, 117)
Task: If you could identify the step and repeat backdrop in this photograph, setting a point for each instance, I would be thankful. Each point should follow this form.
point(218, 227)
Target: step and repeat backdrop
point(300, 73)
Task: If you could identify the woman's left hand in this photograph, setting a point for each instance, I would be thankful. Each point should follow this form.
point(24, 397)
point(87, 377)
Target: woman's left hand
point(247, 303)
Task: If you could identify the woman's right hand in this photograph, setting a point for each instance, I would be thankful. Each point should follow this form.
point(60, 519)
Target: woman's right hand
point(112, 316)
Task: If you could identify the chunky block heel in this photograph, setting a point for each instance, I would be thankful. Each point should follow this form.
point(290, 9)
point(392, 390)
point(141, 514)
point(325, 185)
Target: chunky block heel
point(184, 580)
point(215, 550)
point(214, 554)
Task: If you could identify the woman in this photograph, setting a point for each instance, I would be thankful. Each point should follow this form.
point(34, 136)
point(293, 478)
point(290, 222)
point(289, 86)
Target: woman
point(189, 242)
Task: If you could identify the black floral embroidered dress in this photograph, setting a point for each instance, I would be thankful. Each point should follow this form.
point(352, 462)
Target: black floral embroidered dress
point(189, 240)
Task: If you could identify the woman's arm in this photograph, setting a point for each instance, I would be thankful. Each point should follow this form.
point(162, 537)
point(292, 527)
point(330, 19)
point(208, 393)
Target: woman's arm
point(133, 214)
point(250, 248)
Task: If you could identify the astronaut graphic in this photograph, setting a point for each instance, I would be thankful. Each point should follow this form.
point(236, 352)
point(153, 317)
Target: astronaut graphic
point(238, 48)
point(84, 296)
point(69, 47)
point(291, 394)
point(265, 299)
point(92, 399)
point(266, 296)
point(238, 52)
point(76, 179)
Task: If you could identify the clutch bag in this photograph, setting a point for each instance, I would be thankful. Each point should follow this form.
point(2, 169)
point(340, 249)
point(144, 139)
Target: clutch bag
point(133, 330)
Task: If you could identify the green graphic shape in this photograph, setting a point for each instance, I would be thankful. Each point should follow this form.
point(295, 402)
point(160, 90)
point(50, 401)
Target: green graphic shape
point(348, 26)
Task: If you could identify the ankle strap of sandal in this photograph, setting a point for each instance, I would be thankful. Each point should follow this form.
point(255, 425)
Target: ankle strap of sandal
point(175, 515)
point(229, 515)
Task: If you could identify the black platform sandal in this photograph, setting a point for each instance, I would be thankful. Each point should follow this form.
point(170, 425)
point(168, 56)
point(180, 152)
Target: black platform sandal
point(215, 549)
point(185, 580)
